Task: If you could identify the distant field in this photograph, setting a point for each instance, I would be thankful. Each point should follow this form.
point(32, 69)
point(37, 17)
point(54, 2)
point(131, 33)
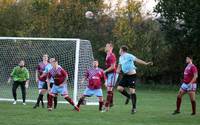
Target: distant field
point(154, 108)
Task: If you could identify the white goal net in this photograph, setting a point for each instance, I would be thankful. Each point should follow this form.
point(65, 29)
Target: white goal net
point(74, 55)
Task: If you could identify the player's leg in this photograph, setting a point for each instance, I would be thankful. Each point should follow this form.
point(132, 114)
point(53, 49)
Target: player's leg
point(99, 94)
point(55, 102)
point(193, 101)
point(133, 99)
point(42, 90)
point(101, 103)
point(63, 91)
point(110, 83)
point(181, 92)
point(55, 99)
point(80, 101)
point(23, 89)
point(192, 95)
point(14, 91)
point(53, 92)
point(121, 89)
point(114, 83)
point(131, 81)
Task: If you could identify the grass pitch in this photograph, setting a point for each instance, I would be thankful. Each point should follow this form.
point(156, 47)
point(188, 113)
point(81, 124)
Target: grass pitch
point(154, 107)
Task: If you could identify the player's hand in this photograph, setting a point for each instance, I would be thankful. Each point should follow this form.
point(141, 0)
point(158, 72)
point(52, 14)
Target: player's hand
point(26, 85)
point(150, 63)
point(105, 84)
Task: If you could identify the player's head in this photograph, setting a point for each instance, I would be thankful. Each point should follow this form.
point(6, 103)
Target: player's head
point(45, 57)
point(109, 47)
point(95, 63)
point(22, 63)
point(123, 49)
point(189, 59)
point(54, 63)
point(51, 60)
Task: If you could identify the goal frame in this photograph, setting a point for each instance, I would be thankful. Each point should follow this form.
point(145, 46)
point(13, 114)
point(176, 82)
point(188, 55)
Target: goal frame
point(77, 56)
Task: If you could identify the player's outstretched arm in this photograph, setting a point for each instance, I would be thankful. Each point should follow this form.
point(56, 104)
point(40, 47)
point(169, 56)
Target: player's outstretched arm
point(139, 61)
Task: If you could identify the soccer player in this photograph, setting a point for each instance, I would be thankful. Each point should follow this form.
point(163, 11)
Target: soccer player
point(94, 76)
point(110, 74)
point(60, 77)
point(41, 80)
point(128, 68)
point(188, 86)
point(47, 69)
point(20, 76)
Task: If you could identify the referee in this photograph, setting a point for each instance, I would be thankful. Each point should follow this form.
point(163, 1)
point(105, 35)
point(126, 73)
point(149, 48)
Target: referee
point(20, 76)
point(128, 68)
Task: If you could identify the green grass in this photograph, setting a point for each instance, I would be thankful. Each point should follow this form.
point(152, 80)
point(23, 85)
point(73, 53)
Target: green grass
point(154, 108)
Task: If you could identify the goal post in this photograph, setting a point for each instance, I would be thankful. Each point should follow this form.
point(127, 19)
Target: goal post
point(74, 55)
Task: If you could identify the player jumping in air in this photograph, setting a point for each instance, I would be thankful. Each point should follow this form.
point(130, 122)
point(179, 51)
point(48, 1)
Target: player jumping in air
point(128, 68)
point(110, 73)
point(60, 77)
point(20, 76)
point(188, 86)
point(94, 76)
point(41, 80)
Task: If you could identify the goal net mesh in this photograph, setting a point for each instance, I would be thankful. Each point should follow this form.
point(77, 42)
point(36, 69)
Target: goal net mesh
point(74, 55)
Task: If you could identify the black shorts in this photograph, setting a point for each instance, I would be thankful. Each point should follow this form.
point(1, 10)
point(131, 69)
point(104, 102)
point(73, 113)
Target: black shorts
point(51, 85)
point(45, 86)
point(128, 81)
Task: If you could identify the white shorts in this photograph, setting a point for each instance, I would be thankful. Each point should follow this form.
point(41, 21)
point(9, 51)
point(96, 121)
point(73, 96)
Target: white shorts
point(189, 87)
point(90, 92)
point(59, 90)
point(111, 79)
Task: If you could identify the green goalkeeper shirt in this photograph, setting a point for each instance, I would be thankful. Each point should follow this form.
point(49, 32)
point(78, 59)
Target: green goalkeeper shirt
point(20, 74)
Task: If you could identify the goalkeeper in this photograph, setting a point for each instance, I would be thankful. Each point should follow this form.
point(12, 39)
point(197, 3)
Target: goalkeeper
point(20, 76)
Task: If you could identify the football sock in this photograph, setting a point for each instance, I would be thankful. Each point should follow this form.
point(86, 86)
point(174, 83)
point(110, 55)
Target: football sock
point(133, 99)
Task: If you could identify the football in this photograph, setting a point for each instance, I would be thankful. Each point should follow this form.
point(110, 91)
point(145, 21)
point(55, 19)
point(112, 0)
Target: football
point(89, 15)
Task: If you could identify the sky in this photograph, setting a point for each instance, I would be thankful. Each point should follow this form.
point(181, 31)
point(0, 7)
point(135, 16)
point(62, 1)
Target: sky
point(147, 6)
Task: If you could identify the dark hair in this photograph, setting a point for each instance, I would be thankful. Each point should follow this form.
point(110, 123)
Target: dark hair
point(45, 55)
point(124, 48)
point(190, 56)
point(111, 43)
point(55, 60)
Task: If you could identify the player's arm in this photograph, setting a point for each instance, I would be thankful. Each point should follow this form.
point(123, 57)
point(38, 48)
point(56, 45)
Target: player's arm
point(119, 68)
point(27, 75)
point(85, 77)
point(194, 79)
point(104, 78)
point(48, 81)
point(111, 68)
point(65, 74)
point(195, 72)
point(12, 74)
point(139, 61)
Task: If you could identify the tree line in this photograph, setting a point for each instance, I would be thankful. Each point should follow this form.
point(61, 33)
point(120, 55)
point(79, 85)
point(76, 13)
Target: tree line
point(165, 40)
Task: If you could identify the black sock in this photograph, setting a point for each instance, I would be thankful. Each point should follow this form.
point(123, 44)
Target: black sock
point(133, 99)
point(125, 93)
point(55, 99)
point(41, 99)
point(80, 102)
